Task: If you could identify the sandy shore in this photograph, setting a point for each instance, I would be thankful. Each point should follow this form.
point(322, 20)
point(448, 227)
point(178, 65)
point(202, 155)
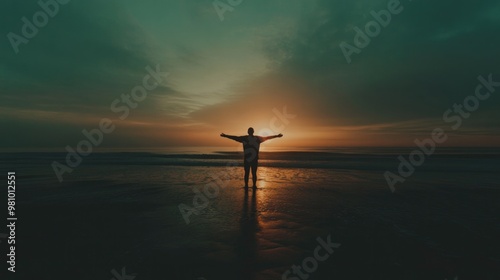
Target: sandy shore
point(106, 218)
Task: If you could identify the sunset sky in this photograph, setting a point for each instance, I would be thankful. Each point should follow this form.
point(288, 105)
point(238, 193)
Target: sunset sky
point(265, 56)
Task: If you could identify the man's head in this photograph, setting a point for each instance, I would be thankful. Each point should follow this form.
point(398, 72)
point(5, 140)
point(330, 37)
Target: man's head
point(250, 131)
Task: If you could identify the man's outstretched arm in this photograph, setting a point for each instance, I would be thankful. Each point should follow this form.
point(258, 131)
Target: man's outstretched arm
point(232, 137)
point(262, 138)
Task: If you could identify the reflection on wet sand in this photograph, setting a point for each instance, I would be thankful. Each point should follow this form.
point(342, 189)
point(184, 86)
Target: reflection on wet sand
point(246, 247)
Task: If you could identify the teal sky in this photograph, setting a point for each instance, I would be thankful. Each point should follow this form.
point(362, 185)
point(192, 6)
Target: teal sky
point(227, 75)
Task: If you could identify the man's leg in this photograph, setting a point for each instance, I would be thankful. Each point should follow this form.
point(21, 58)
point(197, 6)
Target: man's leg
point(254, 174)
point(247, 171)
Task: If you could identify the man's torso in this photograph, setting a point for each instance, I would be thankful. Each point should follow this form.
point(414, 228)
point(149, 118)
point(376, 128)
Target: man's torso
point(251, 145)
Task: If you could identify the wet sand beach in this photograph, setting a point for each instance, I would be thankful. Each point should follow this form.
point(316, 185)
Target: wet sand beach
point(112, 215)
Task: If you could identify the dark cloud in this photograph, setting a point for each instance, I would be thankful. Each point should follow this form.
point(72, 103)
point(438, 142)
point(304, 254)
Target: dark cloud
point(425, 60)
point(92, 51)
point(87, 55)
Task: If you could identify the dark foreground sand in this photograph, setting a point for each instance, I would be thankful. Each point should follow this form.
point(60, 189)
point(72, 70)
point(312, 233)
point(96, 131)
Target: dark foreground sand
point(438, 225)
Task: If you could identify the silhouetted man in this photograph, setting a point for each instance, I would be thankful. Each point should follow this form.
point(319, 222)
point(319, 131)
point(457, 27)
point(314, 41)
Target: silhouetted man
point(251, 145)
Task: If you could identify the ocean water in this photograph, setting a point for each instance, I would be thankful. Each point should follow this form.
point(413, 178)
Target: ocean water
point(121, 209)
point(458, 167)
